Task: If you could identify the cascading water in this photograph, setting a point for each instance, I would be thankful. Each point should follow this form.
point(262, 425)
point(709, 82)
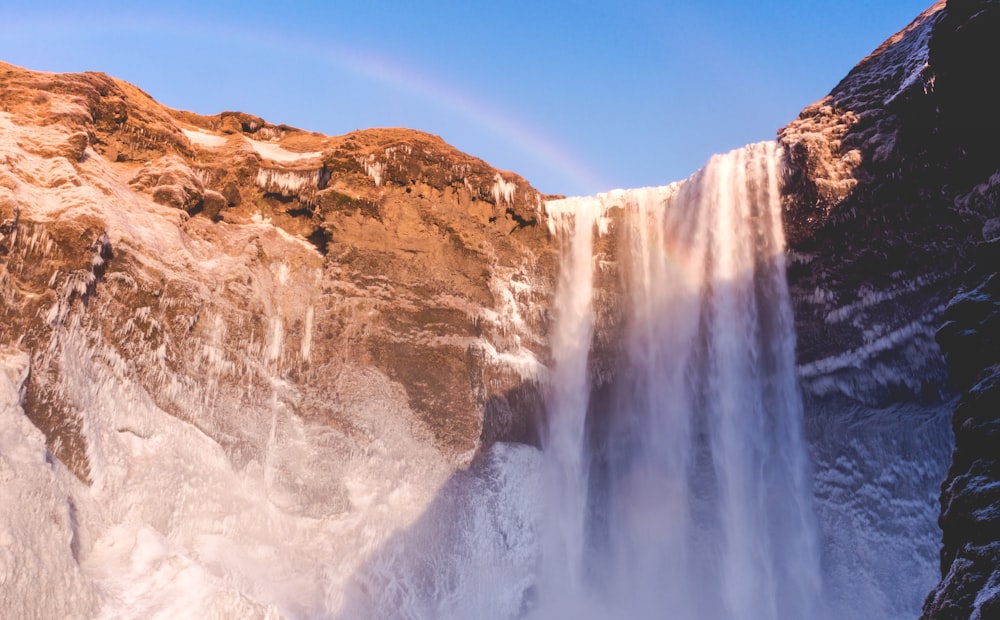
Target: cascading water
point(565, 476)
point(691, 492)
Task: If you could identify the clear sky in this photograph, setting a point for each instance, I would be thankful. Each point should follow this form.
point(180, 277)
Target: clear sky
point(577, 97)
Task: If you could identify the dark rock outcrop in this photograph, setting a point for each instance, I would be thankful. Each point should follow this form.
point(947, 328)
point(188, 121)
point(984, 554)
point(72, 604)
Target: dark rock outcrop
point(876, 234)
point(970, 496)
point(891, 203)
point(965, 59)
point(890, 183)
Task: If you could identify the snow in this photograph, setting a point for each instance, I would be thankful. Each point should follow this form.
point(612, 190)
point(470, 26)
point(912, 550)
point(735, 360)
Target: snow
point(915, 59)
point(896, 66)
point(854, 357)
point(204, 138)
point(481, 565)
point(990, 593)
point(265, 224)
point(522, 361)
point(182, 533)
point(275, 152)
point(877, 481)
point(868, 297)
point(40, 537)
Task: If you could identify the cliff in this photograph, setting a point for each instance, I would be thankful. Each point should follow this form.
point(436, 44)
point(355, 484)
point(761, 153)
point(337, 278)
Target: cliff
point(965, 52)
point(217, 315)
point(891, 207)
point(228, 334)
point(209, 259)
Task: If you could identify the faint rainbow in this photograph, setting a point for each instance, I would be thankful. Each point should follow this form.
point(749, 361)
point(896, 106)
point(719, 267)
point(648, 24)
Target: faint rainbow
point(528, 139)
point(387, 71)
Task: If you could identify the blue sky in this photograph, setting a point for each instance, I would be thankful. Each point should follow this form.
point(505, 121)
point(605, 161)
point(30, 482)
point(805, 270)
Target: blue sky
point(577, 97)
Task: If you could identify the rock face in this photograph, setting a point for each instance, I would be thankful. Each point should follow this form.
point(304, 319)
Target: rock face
point(970, 497)
point(965, 45)
point(970, 336)
point(181, 248)
point(890, 186)
point(892, 192)
point(864, 192)
point(226, 329)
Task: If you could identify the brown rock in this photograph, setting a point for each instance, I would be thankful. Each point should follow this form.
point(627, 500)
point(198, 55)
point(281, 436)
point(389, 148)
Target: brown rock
point(418, 244)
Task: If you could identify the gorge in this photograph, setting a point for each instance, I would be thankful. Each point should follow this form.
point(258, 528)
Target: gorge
point(251, 371)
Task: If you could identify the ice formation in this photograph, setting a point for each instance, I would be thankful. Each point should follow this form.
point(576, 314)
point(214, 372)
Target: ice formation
point(204, 138)
point(288, 182)
point(503, 190)
point(374, 169)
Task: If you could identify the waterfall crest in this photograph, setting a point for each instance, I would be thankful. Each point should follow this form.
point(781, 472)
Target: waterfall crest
point(687, 487)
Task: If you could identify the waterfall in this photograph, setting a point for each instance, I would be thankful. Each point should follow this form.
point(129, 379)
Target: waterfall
point(564, 483)
point(686, 487)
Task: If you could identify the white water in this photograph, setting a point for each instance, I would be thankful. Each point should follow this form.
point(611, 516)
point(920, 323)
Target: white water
point(565, 472)
point(692, 492)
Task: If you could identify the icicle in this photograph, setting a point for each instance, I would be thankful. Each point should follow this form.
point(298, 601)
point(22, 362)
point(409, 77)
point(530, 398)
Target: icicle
point(503, 190)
